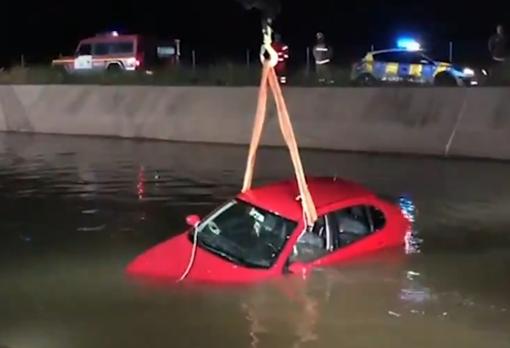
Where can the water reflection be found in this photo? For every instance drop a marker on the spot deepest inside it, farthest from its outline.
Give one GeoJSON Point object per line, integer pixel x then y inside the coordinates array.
{"type": "Point", "coordinates": [73, 216]}
{"type": "Point", "coordinates": [384, 290]}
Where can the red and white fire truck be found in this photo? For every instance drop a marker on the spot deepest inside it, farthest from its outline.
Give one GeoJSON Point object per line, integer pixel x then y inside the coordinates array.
{"type": "Point", "coordinates": [114, 52]}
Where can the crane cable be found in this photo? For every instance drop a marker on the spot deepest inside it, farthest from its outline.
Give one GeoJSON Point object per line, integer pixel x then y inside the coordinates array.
{"type": "Point", "coordinates": [269, 78]}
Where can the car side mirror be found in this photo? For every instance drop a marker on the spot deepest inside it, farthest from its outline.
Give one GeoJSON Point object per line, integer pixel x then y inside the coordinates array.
{"type": "Point", "coordinates": [193, 220]}
{"type": "Point", "coordinates": [299, 268]}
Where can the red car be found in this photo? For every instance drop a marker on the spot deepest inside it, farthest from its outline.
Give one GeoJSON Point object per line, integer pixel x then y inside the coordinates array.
{"type": "Point", "coordinates": [260, 234]}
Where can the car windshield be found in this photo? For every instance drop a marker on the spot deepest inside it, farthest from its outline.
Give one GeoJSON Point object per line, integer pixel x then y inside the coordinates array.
{"type": "Point", "coordinates": [245, 234]}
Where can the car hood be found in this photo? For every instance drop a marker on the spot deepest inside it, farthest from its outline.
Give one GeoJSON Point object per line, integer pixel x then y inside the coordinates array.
{"type": "Point", "coordinates": [169, 260]}
{"type": "Point", "coordinates": [444, 64]}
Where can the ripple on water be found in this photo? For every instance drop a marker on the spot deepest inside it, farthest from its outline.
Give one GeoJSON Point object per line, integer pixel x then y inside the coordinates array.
{"type": "Point", "coordinates": [75, 215]}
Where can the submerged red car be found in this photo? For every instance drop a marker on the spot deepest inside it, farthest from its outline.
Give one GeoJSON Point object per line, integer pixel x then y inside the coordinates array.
{"type": "Point", "coordinates": [260, 234]}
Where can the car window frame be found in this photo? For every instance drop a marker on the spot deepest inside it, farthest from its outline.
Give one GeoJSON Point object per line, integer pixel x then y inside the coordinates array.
{"type": "Point", "coordinates": [95, 46]}
{"type": "Point", "coordinates": [419, 58]}
{"type": "Point", "coordinates": [367, 201]}
{"type": "Point", "coordinates": [376, 57]}
{"type": "Point", "coordinates": [78, 49]}
{"type": "Point", "coordinates": [284, 250]}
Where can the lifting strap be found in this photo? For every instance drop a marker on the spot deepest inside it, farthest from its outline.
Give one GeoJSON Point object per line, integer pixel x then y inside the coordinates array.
{"type": "Point", "coordinates": [269, 78]}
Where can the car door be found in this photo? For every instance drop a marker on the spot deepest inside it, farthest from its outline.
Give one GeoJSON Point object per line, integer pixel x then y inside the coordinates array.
{"type": "Point", "coordinates": [83, 58]}
{"type": "Point", "coordinates": [343, 232]}
{"type": "Point", "coordinates": [386, 66]}
{"type": "Point", "coordinates": [101, 52]}
{"type": "Point", "coordinates": [415, 67]}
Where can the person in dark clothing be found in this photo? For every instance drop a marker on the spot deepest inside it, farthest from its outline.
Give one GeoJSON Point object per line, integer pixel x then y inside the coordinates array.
{"type": "Point", "coordinates": [497, 45]}
{"type": "Point", "coordinates": [498, 51]}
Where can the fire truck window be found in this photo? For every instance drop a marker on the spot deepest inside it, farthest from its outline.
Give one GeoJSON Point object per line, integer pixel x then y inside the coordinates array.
{"type": "Point", "coordinates": [101, 49]}
{"type": "Point", "coordinates": [121, 48]}
{"type": "Point", "coordinates": [85, 50]}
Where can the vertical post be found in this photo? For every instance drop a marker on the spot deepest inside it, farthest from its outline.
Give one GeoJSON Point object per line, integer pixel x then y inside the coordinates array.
{"type": "Point", "coordinates": [451, 52]}
{"type": "Point", "coordinates": [248, 58]}
{"type": "Point", "coordinates": [193, 60]}
{"type": "Point", "coordinates": [372, 48]}
{"type": "Point", "coordinates": [22, 60]}
{"type": "Point", "coordinates": [178, 50]}
{"type": "Point", "coordinates": [307, 61]}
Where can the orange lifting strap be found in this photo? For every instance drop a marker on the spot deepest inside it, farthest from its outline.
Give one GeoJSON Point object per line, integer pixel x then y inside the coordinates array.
{"type": "Point", "coordinates": [269, 77]}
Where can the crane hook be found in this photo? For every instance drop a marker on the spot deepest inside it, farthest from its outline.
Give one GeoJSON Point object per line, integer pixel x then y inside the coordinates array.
{"type": "Point", "coordinates": [267, 46]}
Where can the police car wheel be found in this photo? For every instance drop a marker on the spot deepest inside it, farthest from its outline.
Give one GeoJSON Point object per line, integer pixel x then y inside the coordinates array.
{"type": "Point", "coordinates": [445, 79]}
{"type": "Point", "coordinates": [365, 80]}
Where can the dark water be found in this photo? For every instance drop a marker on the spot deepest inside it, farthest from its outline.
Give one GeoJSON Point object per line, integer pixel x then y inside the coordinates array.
{"type": "Point", "coordinates": [75, 211]}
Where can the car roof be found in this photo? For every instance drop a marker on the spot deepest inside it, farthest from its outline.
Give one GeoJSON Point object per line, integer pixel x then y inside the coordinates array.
{"type": "Point", "coordinates": [390, 50]}
{"type": "Point", "coordinates": [282, 197]}
{"type": "Point", "coordinates": [109, 38]}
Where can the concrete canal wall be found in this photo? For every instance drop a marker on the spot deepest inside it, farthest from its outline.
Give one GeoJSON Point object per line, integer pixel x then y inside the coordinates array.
{"type": "Point", "coordinates": [472, 122]}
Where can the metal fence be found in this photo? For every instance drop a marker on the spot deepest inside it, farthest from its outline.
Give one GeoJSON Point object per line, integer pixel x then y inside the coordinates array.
{"type": "Point", "coordinates": [462, 52]}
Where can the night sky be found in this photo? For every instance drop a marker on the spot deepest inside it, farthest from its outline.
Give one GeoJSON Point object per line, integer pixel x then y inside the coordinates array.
{"type": "Point", "coordinates": [41, 30]}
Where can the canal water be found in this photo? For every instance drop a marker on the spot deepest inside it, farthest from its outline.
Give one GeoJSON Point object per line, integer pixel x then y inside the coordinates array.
{"type": "Point", "coordinates": [76, 210]}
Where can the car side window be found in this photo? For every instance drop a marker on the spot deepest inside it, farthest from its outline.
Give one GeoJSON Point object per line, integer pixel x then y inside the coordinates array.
{"type": "Point", "coordinates": [312, 244]}
{"type": "Point", "coordinates": [121, 48]}
{"type": "Point", "coordinates": [414, 58]}
{"type": "Point", "coordinates": [336, 230]}
{"type": "Point", "coordinates": [352, 224]}
{"type": "Point", "coordinates": [388, 57]}
{"type": "Point", "coordinates": [84, 50]}
{"type": "Point", "coordinates": [101, 49]}
{"type": "Point", "coordinates": [378, 218]}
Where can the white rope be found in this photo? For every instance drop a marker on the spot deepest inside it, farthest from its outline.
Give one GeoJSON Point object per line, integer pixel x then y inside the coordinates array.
{"type": "Point", "coordinates": [456, 126]}
{"type": "Point", "coordinates": [193, 255]}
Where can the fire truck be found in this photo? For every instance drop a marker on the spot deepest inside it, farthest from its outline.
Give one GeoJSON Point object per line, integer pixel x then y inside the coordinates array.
{"type": "Point", "coordinates": [114, 52]}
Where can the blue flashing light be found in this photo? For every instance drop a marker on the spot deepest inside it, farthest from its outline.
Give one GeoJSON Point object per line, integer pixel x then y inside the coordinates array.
{"type": "Point", "coordinates": [408, 44]}
{"type": "Point", "coordinates": [407, 207]}
{"type": "Point", "coordinates": [412, 241]}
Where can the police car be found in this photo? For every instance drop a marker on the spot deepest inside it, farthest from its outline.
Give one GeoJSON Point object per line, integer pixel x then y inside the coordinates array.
{"type": "Point", "coordinates": [409, 64]}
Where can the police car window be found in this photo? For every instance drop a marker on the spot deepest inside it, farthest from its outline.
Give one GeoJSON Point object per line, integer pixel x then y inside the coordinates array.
{"type": "Point", "coordinates": [413, 58]}
{"type": "Point", "coordinates": [388, 57]}
{"type": "Point", "coordinates": [101, 49]}
{"type": "Point", "coordinates": [121, 47]}
{"type": "Point", "coordinates": [85, 50]}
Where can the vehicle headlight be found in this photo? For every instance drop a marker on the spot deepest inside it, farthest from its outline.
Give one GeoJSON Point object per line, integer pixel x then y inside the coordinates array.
{"type": "Point", "coordinates": [468, 72]}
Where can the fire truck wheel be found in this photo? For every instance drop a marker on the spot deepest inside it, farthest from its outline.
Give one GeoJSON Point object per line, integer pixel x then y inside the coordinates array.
{"type": "Point", "coordinates": [114, 67]}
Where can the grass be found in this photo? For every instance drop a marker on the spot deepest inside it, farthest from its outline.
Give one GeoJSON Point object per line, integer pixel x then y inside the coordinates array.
{"type": "Point", "coordinates": [214, 75]}
{"type": "Point", "coordinates": [226, 74]}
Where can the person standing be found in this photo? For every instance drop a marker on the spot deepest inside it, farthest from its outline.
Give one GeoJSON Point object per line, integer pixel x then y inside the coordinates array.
{"type": "Point", "coordinates": [497, 45]}
{"type": "Point", "coordinates": [498, 51]}
{"type": "Point", "coordinates": [322, 54]}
